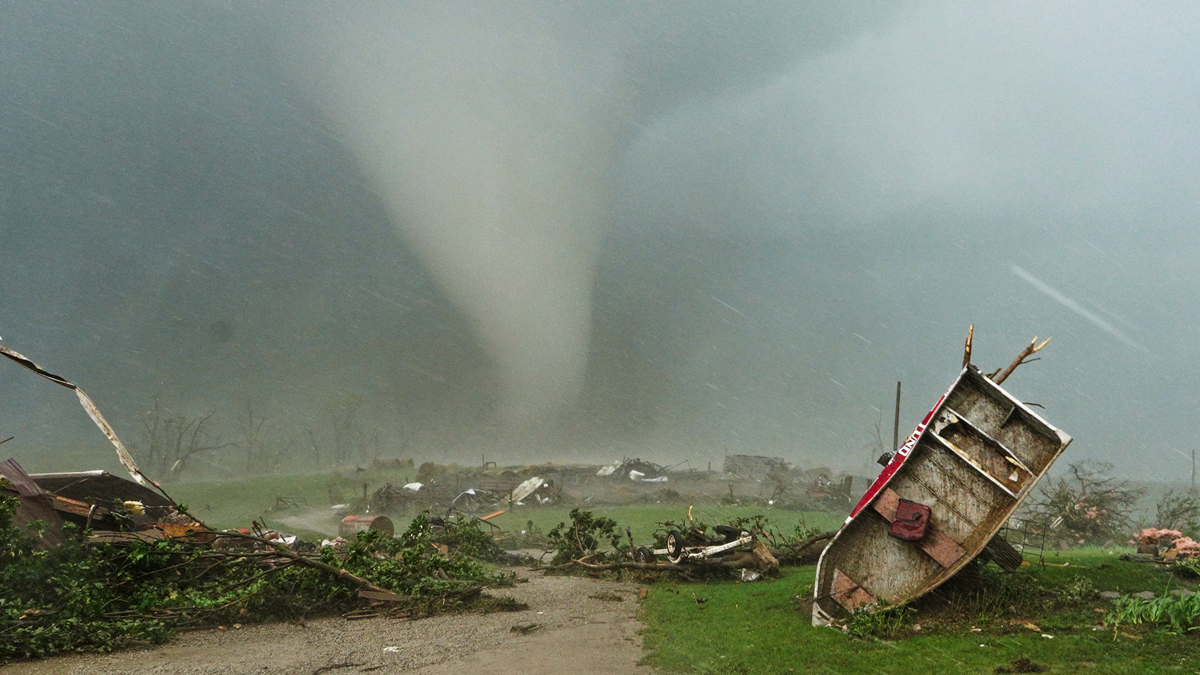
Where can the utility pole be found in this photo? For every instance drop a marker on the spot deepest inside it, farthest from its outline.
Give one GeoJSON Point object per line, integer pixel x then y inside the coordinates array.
{"type": "Point", "coordinates": [1193, 469]}
{"type": "Point", "coordinates": [896, 432]}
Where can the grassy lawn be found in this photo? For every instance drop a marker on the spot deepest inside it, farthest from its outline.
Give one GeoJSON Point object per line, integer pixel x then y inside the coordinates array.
{"type": "Point", "coordinates": [225, 504]}
{"type": "Point", "coordinates": [765, 628]}
{"type": "Point", "coordinates": [643, 520]}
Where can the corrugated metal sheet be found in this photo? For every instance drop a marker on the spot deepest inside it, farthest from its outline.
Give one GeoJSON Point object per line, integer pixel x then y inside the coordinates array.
{"type": "Point", "coordinates": [35, 504]}
{"type": "Point", "coordinates": [93, 412]}
{"type": "Point", "coordinates": [97, 486]}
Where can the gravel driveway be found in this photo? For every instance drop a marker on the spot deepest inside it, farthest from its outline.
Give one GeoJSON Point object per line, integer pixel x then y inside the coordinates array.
{"type": "Point", "coordinates": [577, 634]}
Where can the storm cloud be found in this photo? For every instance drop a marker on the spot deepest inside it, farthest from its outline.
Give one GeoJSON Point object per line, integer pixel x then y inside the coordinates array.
{"type": "Point", "coordinates": [564, 230]}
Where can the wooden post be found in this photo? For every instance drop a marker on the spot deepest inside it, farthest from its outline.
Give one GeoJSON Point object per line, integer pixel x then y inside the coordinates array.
{"type": "Point", "coordinates": [896, 423]}
{"type": "Point", "coordinates": [1193, 469]}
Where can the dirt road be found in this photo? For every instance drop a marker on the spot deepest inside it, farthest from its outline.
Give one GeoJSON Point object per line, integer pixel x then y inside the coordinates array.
{"type": "Point", "coordinates": [576, 634]}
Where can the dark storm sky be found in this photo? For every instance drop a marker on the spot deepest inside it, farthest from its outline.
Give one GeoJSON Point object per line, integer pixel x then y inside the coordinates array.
{"type": "Point", "coordinates": [579, 231]}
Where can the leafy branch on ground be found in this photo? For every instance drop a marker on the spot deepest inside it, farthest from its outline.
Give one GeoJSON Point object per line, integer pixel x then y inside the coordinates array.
{"type": "Point", "coordinates": [79, 596]}
{"type": "Point", "coordinates": [584, 537]}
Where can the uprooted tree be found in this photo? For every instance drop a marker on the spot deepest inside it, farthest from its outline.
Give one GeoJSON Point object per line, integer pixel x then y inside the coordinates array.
{"type": "Point", "coordinates": [1087, 506]}
{"type": "Point", "coordinates": [1178, 511]}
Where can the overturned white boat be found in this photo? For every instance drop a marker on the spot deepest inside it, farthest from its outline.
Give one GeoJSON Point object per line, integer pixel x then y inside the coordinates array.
{"type": "Point", "coordinates": [939, 501]}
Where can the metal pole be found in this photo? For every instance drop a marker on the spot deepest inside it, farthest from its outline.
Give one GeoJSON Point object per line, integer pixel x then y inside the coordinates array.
{"type": "Point", "coordinates": [896, 424]}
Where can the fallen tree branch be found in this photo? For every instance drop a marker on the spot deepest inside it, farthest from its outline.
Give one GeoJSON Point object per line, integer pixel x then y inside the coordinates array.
{"type": "Point", "coordinates": [795, 549]}
{"type": "Point", "coordinates": [1032, 349]}
{"type": "Point", "coordinates": [256, 577]}
{"type": "Point", "coordinates": [376, 592]}
{"type": "Point", "coordinates": [682, 567]}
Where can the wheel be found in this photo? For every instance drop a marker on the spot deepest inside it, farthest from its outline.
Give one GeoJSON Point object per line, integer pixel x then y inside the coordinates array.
{"type": "Point", "coordinates": [642, 554]}
{"type": "Point", "coordinates": [674, 546]}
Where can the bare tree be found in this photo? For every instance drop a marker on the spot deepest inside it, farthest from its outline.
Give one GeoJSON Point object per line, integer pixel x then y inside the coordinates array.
{"type": "Point", "coordinates": [316, 449]}
{"type": "Point", "coordinates": [348, 440]}
{"type": "Point", "coordinates": [170, 440]}
{"type": "Point", "coordinates": [407, 432]}
{"type": "Point", "coordinates": [250, 425]}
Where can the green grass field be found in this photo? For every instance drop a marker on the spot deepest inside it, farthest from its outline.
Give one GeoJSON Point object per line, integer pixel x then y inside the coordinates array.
{"type": "Point", "coordinates": [226, 504]}
{"type": "Point", "coordinates": [765, 628]}
{"type": "Point", "coordinates": [232, 504]}
{"type": "Point", "coordinates": [643, 520]}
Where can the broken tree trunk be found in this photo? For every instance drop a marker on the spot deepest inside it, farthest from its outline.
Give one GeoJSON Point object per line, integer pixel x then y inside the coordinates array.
{"type": "Point", "coordinates": [796, 551]}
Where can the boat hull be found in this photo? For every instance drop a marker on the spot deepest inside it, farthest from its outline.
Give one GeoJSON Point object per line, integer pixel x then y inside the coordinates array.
{"type": "Point", "coordinates": [972, 460]}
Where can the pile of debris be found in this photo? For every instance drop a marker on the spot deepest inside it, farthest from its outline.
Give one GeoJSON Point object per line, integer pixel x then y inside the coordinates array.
{"type": "Point", "coordinates": [636, 470]}
{"type": "Point", "coordinates": [103, 594]}
{"type": "Point", "coordinates": [486, 494]}
{"type": "Point", "coordinates": [755, 467]}
{"type": "Point", "coordinates": [816, 489]}
{"type": "Point", "coordinates": [147, 566]}
{"type": "Point", "coordinates": [688, 550]}
{"type": "Point", "coordinates": [113, 508]}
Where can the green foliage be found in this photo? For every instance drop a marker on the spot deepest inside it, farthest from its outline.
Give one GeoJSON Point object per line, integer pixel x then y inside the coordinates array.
{"type": "Point", "coordinates": [78, 597]}
{"type": "Point", "coordinates": [882, 623]}
{"type": "Point", "coordinates": [1077, 591]}
{"type": "Point", "coordinates": [463, 536]}
{"type": "Point", "coordinates": [583, 537]}
{"type": "Point", "coordinates": [1177, 614]}
{"type": "Point", "coordinates": [1188, 568]}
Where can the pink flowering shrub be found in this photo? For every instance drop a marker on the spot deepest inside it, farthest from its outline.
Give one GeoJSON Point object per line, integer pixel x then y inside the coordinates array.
{"type": "Point", "coordinates": [1153, 536]}
{"type": "Point", "coordinates": [1187, 547]}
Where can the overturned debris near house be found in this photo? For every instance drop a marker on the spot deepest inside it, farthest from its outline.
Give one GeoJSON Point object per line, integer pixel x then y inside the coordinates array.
{"type": "Point", "coordinates": [352, 525]}
{"type": "Point", "coordinates": [115, 508]}
{"type": "Point", "coordinates": [97, 499]}
{"type": "Point", "coordinates": [636, 470]}
{"type": "Point", "coordinates": [755, 466]}
{"type": "Point", "coordinates": [940, 500]}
